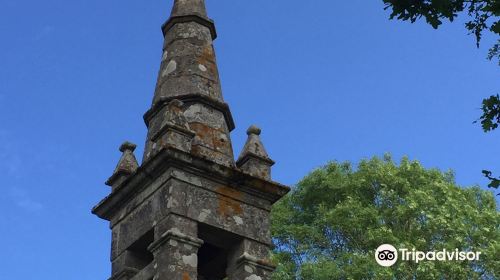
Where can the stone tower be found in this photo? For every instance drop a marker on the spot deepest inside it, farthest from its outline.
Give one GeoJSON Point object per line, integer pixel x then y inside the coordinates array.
{"type": "Point", "coordinates": [189, 211]}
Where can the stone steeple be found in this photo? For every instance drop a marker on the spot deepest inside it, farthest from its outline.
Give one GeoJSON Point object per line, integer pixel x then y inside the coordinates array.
{"type": "Point", "coordinates": [189, 211]}
{"type": "Point", "coordinates": [188, 72]}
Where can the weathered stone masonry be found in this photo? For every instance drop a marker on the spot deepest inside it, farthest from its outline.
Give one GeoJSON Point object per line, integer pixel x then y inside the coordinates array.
{"type": "Point", "coordinates": [189, 211]}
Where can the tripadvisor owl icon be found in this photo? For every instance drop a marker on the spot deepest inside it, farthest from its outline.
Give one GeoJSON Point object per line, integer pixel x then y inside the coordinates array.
{"type": "Point", "coordinates": [386, 255]}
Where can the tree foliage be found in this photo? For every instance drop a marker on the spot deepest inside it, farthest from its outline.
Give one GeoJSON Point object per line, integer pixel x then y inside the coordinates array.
{"type": "Point", "coordinates": [332, 222]}
{"type": "Point", "coordinates": [491, 113]}
{"type": "Point", "coordinates": [483, 17]}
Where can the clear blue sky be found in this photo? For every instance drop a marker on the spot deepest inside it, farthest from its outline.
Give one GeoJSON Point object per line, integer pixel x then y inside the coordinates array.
{"type": "Point", "coordinates": [324, 79]}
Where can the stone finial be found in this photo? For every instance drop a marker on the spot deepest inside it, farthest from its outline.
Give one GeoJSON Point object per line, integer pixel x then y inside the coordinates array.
{"type": "Point", "coordinates": [189, 7]}
{"type": "Point", "coordinates": [127, 165]}
{"type": "Point", "coordinates": [254, 130]}
{"type": "Point", "coordinates": [174, 131]}
{"type": "Point", "coordinates": [127, 146]}
{"type": "Point", "coordinates": [254, 158]}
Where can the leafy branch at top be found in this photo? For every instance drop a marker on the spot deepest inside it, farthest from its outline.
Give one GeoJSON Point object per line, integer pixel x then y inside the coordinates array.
{"type": "Point", "coordinates": [483, 13]}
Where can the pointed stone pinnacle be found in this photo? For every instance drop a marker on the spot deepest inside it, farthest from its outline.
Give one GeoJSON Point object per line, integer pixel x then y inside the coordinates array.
{"type": "Point", "coordinates": [254, 158]}
{"type": "Point", "coordinates": [254, 144]}
{"type": "Point", "coordinates": [128, 162]}
{"type": "Point", "coordinates": [126, 166]}
{"type": "Point", "coordinates": [189, 73]}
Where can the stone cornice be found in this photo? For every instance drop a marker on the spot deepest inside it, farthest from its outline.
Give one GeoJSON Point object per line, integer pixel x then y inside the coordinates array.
{"type": "Point", "coordinates": [175, 234]}
{"type": "Point", "coordinates": [189, 99]}
{"type": "Point", "coordinates": [171, 157]}
{"type": "Point", "coordinates": [172, 127]}
{"type": "Point", "coordinates": [114, 178]}
{"type": "Point", "coordinates": [190, 18]}
{"type": "Point", "coordinates": [249, 156]}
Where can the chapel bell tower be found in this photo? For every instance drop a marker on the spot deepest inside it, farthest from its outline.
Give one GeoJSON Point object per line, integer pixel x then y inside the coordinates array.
{"type": "Point", "coordinates": [189, 210]}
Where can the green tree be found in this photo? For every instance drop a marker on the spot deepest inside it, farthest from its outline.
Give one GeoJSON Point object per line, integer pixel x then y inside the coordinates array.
{"type": "Point", "coordinates": [483, 17]}
{"type": "Point", "coordinates": [329, 226]}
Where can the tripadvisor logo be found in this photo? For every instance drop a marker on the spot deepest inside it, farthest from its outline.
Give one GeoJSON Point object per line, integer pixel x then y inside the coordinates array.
{"type": "Point", "coordinates": [387, 255]}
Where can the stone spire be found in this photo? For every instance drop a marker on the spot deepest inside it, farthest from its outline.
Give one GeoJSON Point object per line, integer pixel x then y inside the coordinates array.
{"type": "Point", "coordinates": [188, 72]}
{"type": "Point", "coordinates": [189, 211]}
{"type": "Point", "coordinates": [254, 158]}
{"type": "Point", "coordinates": [127, 165]}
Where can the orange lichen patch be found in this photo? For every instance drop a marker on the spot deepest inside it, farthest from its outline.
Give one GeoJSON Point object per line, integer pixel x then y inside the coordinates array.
{"type": "Point", "coordinates": [212, 155]}
{"type": "Point", "coordinates": [207, 58]}
{"type": "Point", "coordinates": [228, 205]}
{"type": "Point", "coordinates": [204, 133]}
{"type": "Point", "coordinates": [214, 138]}
{"type": "Point", "coordinates": [185, 276]}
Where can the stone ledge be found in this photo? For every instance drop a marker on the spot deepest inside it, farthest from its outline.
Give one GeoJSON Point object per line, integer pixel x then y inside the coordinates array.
{"type": "Point", "coordinates": [168, 156]}
{"type": "Point", "coordinates": [249, 259]}
{"type": "Point", "coordinates": [171, 127]}
{"type": "Point", "coordinates": [188, 99]}
{"type": "Point", "coordinates": [249, 156]}
{"type": "Point", "coordinates": [190, 18]}
{"type": "Point", "coordinates": [175, 234]}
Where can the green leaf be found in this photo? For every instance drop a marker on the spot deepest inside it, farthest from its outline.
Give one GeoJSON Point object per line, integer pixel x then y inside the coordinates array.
{"type": "Point", "coordinates": [496, 27]}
